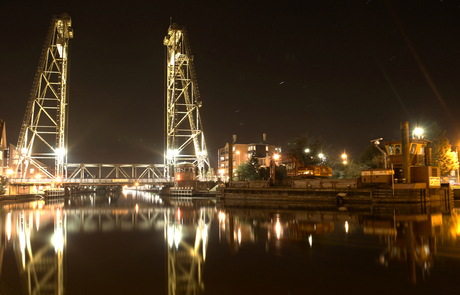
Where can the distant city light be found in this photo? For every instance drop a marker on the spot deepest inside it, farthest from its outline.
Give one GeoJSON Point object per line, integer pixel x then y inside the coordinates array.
{"type": "Point", "coordinates": [307, 150]}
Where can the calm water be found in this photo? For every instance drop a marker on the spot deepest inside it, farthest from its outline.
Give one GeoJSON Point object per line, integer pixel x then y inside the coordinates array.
{"type": "Point", "coordinates": [139, 243]}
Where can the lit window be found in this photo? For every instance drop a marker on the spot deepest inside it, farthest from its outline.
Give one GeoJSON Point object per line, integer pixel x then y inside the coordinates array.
{"type": "Point", "coordinates": [391, 149]}
{"type": "Point", "coordinates": [422, 150]}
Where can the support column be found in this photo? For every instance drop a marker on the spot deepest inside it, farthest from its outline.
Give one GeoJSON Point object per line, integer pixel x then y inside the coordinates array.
{"type": "Point", "coordinates": [230, 162]}
{"type": "Point", "coordinates": [405, 151]}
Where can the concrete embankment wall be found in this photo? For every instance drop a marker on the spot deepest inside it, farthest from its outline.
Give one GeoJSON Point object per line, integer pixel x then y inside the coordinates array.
{"type": "Point", "coordinates": [335, 191]}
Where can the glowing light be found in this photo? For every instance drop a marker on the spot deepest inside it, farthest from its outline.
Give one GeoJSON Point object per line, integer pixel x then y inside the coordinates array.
{"type": "Point", "coordinates": [239, 236]}
{"type": "Point", "coordinates": [10, 172]}
{"type": "Point", "coordinates": [60, 152]}
{"type": "Point", "coordinates": [178, 214]}
{"type": "Point", "coordinates": [237, 152]}
{"type": "Point", "coordinates": [321, 155]}
{"type": "Point", "coordinates": [137, 208]}
{"type": "Point", "coordinates": [307, 150]}
{"type": "Point", "coordinates": [170, 154]}
{"type": "Point", "coordinates": [310, 240]}
{"type": "Point", "coordinates": [58, 240]}
{"type": "Point", "coordinates": [8, 226]}
{"type": "Point", "coordinates": [37, 220]}
{"type": "Point", "coordinates": [38, 176]}
{"type": "Point", "coordinates": [276, 157]}
{"type": "Point", "coordinates": [278, 229]}
{"type": "Point", "coordinates": [177, 237]}
{"type": "Point", "coordinates": [221, 217]}
{"type": "Point", "coordinates": [418, 132]}
{"type": "Point", "coordinates": [346, 227]}
{"type": "Point", "coordinates": [22, 242]}
{"type": "Point", "coordinates": [204, 235]}
{"type": "Point", "coordinates": [170, 236]}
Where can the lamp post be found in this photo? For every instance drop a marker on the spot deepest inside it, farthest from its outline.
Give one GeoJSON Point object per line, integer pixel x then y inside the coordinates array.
{"type": "Point", "coordinates": [273, 167]}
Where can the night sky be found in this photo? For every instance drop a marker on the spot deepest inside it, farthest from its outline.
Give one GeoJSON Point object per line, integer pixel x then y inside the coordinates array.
{"type": "Point", "coordinates": [349, 71]}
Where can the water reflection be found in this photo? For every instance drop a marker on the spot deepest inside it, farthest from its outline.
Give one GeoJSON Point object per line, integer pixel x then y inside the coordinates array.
{"type": "Point", "coordinates": [42, 242]}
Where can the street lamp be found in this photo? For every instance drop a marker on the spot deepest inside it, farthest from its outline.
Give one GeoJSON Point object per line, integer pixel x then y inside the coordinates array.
{"type": "Point", "coordinates": [322, 157]}
{"type": "Point", "coordinates": [344, 157]}
{"type": "Point", "coordinates": [307, 151]}
{"type": "Point", "coordinates": [418, 133]}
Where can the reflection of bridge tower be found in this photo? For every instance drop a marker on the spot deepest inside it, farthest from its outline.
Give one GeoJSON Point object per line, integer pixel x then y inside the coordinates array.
{"type": "Point", "coordinates": [39, 261]}
{"type": "Point", "coordinates": [182, 103]}
{"type": "Point", "coordinates": [43, 131]}
{"type": "Point", "coordinates": [186, 256]}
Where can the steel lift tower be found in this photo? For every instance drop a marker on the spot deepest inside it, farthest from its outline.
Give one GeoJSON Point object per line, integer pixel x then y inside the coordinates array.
{"type": "Point", "coordinates": [43, 131]}
{"type": "Point", "coordinates": [184, 131]}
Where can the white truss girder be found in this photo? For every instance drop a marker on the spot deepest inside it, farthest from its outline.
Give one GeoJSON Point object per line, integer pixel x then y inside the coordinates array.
{"type": "Point", "coordinates": [43, 131]}
{"type": "Point", "coordinates": [184, 134]}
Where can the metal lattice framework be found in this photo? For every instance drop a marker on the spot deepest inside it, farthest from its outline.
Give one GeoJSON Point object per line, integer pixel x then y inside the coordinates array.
{"type": "Point", "coordinates": [43, 132]}
{"type": "Point", "coordinates": [187, 244]}
{"type": "Point", "coordinates": [184, 131]}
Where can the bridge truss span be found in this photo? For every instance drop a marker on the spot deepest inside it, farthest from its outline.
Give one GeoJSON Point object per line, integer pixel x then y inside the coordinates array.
{"type": "Point", "coordinates": [115, 173]}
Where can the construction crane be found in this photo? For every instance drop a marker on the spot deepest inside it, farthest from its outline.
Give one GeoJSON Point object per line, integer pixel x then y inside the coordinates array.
{"type": "Point", "coordinates": [184, 134]}
{"type": "Point", "coordinates": [42, 137]}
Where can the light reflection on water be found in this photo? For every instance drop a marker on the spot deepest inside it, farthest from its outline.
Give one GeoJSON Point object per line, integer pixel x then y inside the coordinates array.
{"type": "Point", "coordinates": [139, 243]}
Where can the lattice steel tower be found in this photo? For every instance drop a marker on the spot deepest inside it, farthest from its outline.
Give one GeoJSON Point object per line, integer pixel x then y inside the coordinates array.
{"type": "Point", "coordinates": [43, 132]}
{"type": "Point", "coordinates": [184, 131]}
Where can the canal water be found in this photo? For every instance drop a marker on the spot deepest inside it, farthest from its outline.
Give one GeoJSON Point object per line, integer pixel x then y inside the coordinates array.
{"type": "Point", "coordinates": [140, 243]}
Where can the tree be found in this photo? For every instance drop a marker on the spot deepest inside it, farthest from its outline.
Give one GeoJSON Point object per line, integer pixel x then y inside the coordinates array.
{"type": "Point", "coordinates": [314, 147]}
{"type": "Point", "coordinates": [441, 153]}
{"type": "Point", "coordinates": [249, 170]}
{"type": "Point", "coordinates": [349, 170]}
{"type": "Point", "coordinates": [372, 157]}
